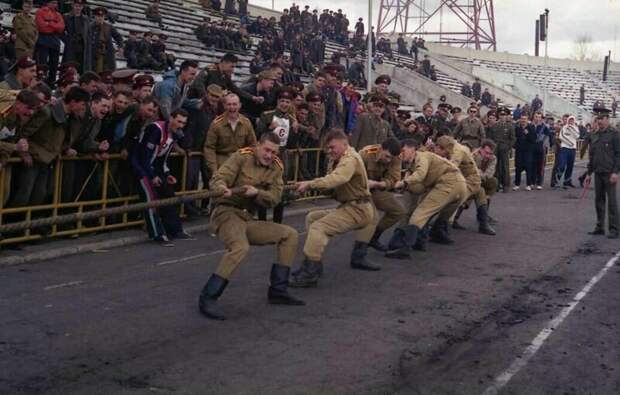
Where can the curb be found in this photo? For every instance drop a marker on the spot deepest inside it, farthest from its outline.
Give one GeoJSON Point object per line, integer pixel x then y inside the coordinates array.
{"type": "Point", "coordinates": [119, 242]}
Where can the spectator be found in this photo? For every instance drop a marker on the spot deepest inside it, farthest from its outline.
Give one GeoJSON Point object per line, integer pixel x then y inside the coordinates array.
{"type": "Point", "coordinates": [102, 49]}
{"type": "Point", "coordinates": [359, 27]}
{"type": "Point", "coordinates": [544, 139]}
{"type": "Point", "coordinates": [51, 26]}
{"type": "Point", "coordinates": [154, 181]}
{"type": "Point", "coordinates": [158, 52]}
{"type": "Point", "coordinates": [153, 14]}
{"type": "Point", "coordinates": [582, 94]}
{"type": "Point", "coordinates": [476, 89]}
{"type": "Point", "coordinates": [470, 130]}
{"type": "Point", "coordinates": [220, 74]}
{"type": "Point", "coordinates": [536, 104]}
{"type": "Point", "coordinates": [262, 88]}
{"type": "Point", "coordinates": [568, 140]}
{"type": "Point", "coordinates": [130, 50]}
{"type": "Point", "coordinates": [516, 113]}
{"type": "Point", "coordinates": [26, 31]}
{"type": "Point", "coordinates": [426, 67]}
{"type": "Point", "coordinates": [524, 143]}
{"type": "Point", "coordinates": [77, 37]}
{"type": "Point", "coordinates": [172, 91]}
{"type": "Point", "coordinates": [486, 98]}
{"type": "Point", "coordinates": [229, 7]}
{"type": "Point", "coordinates": [21, 75]}
{"type": "Point", "coordinates": [144, 53]}
{"type": "Point", "coordinates": [351, 102]}
{"type": "Point", "coordinates": [455, 119]}
{"type": "Point", "coordinates": [466, 90]}
{"type": "Point", "coordinates": [614, 107]}
{"type": "Point", "coordinates": [402, 45]}
{"type": "Point", "coordinates": [371, 128]}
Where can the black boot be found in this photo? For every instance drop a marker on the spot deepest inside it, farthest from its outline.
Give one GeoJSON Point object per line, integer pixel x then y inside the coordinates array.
{"type": "Point", "coordinates": [439, 232]}
{"type": "Point", "coordinates": [308, 275]}
{"type": "Point", "coordinates": [278, 293]}
{"type": "Point", "coordinates": [376, 244]}
{"type": "Point", "coordinates": [483, 222]}
{"type": "Point", "coordinates": [208, 297]}
{"type": "Point", "coordinates": [358, 257]}
{"type": "Point", "coordinates": [402, 241]}
{"type": "Point", "coordinates": [422, 239]}
{"type": "Point", "coordinates": [455, 224]}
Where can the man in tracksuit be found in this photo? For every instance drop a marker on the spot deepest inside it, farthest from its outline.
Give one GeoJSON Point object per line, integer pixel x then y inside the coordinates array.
{"type": "Point", "coordinates": [149, 162]}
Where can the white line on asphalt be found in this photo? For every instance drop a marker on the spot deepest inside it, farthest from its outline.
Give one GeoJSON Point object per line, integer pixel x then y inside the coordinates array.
{"type": "Point", "coordinates": [192, 257]}
{"type": "Point", "coordinates": [521, 361]}
{"type": "Point", "coordinates": [64, 285]}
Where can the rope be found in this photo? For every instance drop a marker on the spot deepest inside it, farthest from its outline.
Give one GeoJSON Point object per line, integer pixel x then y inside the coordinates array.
{"type": "Point", "coordinates": [106, 212]}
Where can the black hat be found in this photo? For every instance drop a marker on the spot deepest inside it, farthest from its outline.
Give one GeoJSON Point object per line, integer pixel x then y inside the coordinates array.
{"type": "Point", "coordinates": [313, 97]}
{"type": "Point", "coordinates": [100, 11]}
{"type": "Point", "coordinates": [445, 106]}
{"type": "Point", "coordinates": [124, 76]}
{"type": "Point", "coordinates": [601, 111]}
{"type": "Point", "coordinates": [378, 99]}
{"type": "Point", "coordinates": [23, 63]}
{"type": "Point", "coordinates": [383, 79]}
{"type": "Point", "coordinates": [456, 110]}
{"type": "Point", "coordinates": [143, 80]}
{"type": "Point", "coordinates": [503, 111]}
{"type": "Point", "coordinates": [404, 114]}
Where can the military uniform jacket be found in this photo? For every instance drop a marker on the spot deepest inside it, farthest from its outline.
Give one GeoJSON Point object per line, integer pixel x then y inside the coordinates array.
{"type": "Point", "coordinates": [243, 168]}
{"type": "Point", "coordinates": [461, 156]}
{"type": "Point", "coordinates": [379, 171]}
{"type": "Point", "coordinates": [347, 177]}
{"type": "Point", "coordinates": [486, 167]}
{"type": "Point", "coordinates": [45, 136]}
{"type": "Point", "coordinates": [26, 33]}
{"type": "Point", "coordinates": [426, 170]}
{"type": "Point", "coordinates": [370, 129]}
{"type": "Point", "coordinates": [604, 151]}
{"type": "Point", "coordinates": [503, 134]}
{"type": "Point", "coordinates": [470, 130]}
{"type": "Point", "coordinates": [222, 141]}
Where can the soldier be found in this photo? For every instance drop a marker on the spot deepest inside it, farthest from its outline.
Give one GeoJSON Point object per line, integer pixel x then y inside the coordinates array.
{"type": "Point", "coordinates": [77, 37]}
{"type": "Point", "coordinates": [20, 75]}
{"type": "Point", "coordinates": [259, 171]}
{"type": "Point", "coordinates": [26, 32]}
{"type": "Point", "coordinates": [461, 156]}
{"type": "Point", "coordinates": [347, 177]}
{"type": "Point", "coordinates": [228, 133]}
{"type": "Point", "coordinates": [130, 49]}
{"type": "Point", "coordinates": [281, 122]}
{"type": "Point", "coordinates": [443, 188]}
{"type": "Point", "coordinates": [439, 122]}
{"type": "Point", "coordinates": [470, 130]}
{"type": "Point", "coordinates": [370, 128]}
{"type": "Point", "coordinates": [486, 163]}
{"type": "Point", "coordinates": [503, 135]}
{"type": "Point", "coordinates": [123, 79]}
{"type": "Point", "coordinates": [383, 167]}
{"type": "Point", "coordinates": [605, 164]}
{"type": "Point", "coordinates": [142, 87]}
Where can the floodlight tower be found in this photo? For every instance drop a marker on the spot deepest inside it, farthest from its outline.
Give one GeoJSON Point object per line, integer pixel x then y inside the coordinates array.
{"type": "Point", "coordinates": [464, 23]}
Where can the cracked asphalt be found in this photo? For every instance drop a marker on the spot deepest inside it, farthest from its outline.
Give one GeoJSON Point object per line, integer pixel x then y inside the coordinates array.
{"type": "Point", "coordinates": [125, 321]}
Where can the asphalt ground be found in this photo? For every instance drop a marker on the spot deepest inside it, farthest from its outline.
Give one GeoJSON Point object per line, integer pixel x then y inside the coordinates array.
{"type": "Point", "coordinates": [451, 321]}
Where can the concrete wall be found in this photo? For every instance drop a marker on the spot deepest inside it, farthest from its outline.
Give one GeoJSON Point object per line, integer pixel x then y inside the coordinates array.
{"type": "Point", "coordinates": [416, 89]}
{"type": "Point", "coordinates": [514, 58]}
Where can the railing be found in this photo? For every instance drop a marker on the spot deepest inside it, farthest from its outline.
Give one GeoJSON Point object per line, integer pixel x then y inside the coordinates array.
{"type": "Point", "coordinates": [104, 185]}
{"type": "Point", "coordinates": [98, 185]}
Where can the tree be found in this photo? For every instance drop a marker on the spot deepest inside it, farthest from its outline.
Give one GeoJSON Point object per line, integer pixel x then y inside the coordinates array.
{"type": "Point", "coordinates": [583, 48]}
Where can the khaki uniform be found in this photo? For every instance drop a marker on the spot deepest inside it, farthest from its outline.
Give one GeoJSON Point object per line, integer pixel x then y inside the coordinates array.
{"type": "Point", "coordinates": [441, 183]}
{"type": "Point", "coordinates": [233, 217]}
{"type": "Point", "coordinates": [383, 199]}
{"type": "Point", "coordinates": [370, 129]}
{"type": "Point", "coordinates": [349, 181]}
{"type": "Point", "coordinates": [26, 34]}
{"type": "Point", "coordinates": [487, 175]}
{"type": "Point", "coordinates": [470, 131]}
{"type": "Point", "coordinates": [222, 141]}
{"type": "Point", "coordinates": [462, 157]}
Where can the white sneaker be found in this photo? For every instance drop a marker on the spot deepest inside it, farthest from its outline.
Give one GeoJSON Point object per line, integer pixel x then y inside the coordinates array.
{"type": "Point", "coordinates": [539, 187]}
{"type": "Point", "coordinates": [515, 188]}
{"type": "Point", "coordinates": [528, 188]}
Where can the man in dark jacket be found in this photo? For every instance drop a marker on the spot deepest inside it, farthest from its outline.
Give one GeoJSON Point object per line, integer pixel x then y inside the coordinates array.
{"type": "Point", "coordinates": [77, 37]}
{"type": "Point", "coordinates": [103, 53]}
{"type": "Point", "coordinates": [262, 88]}
{"type": "Point", "coordinates": [605, 164]}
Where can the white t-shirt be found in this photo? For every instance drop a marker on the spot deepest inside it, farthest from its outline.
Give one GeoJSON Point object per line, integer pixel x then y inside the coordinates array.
{"type": "Point", "coordinates": [282, 129]}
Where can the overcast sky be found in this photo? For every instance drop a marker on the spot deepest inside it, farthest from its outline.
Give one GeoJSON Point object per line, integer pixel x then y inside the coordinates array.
{"type": "Point", "coordinates": [515, 22]}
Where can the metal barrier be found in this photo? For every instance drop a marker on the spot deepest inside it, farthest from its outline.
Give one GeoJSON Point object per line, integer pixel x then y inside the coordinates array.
{"type": "Point", "coordinates": [99, 187]}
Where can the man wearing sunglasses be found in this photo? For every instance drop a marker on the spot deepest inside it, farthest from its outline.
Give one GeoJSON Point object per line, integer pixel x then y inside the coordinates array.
{"type": "Point", "coordinates": [470, 130]}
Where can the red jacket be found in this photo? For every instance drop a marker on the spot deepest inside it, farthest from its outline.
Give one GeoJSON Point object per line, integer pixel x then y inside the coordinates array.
{"type": "Point", "coordinates": [49, 21]}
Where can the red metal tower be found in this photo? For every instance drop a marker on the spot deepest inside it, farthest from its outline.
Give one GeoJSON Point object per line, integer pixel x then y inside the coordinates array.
{"type": "Point", "coordinates": [466, 23]}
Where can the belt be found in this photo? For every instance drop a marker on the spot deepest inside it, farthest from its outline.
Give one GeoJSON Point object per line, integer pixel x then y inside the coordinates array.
{"type": "Point", "coordinates": [359, 201]}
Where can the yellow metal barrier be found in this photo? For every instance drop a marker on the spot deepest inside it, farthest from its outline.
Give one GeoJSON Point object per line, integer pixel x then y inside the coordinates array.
{"type": "Point", "coordinates": [102, 179]}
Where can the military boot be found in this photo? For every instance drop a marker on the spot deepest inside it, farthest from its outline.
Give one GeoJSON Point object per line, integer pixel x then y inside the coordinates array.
{"type": "Point", "coordinates": [439, 232]}
{"type": "Point", "coordinates": [375, 243]}
{"type": "Point", "coordinates": [401, 242]}
{"type": "Point", "coordinates": [308, 275]}
{"type": "Point", "coordinates": [209, 295]}
{"type": "Point", "coordinates": [483, 222]}
{"type": "Point", "coordinates": [278, 293]}
{"type": "Point", "coordinates": [358, 257]}
{"type": "Point", "coordinates": [455, 224]}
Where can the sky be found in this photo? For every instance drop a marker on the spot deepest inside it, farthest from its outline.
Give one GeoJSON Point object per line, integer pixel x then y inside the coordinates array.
{"type": "Point", "coordinates": [514, 19]}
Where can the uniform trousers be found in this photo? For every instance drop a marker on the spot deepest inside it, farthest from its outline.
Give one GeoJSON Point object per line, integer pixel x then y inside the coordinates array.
{"type": "Point", "coordinates": [446, 196]}
{"type": "Point", "coordinates": [324, 224]}
{"type": "Point", "coordinates": [605, 190]}
{"type": "Point", "coordinates": [238, 230]}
